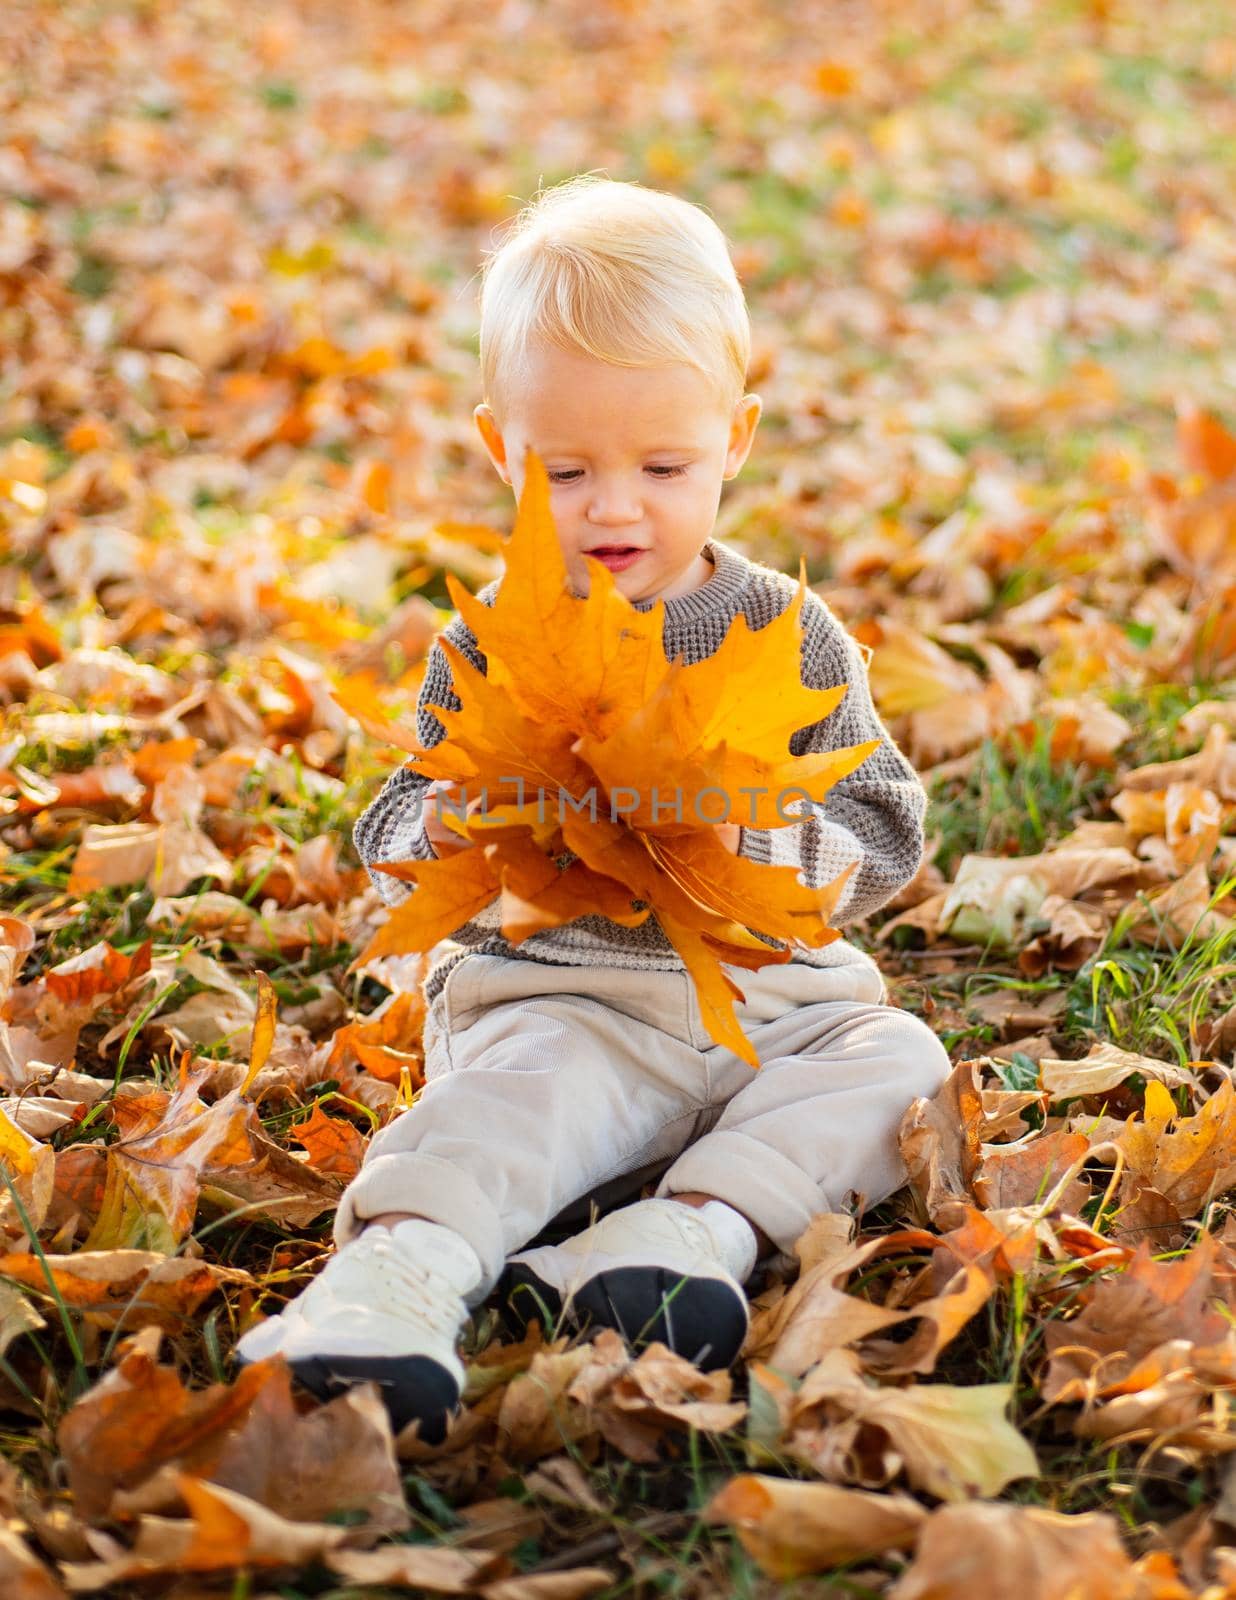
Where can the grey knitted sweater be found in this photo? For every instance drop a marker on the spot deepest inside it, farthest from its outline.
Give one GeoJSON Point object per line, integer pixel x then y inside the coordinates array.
{"type": "Point", "coordinates": [874, 817]}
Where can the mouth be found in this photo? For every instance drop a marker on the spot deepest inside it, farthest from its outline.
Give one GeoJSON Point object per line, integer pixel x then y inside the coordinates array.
{"type": "Point", "coordinates": [617, 557]}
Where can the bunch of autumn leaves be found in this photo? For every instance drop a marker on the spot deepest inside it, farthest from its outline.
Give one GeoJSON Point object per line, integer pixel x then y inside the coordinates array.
{"type": "Point", "coordinates": [579, 697]}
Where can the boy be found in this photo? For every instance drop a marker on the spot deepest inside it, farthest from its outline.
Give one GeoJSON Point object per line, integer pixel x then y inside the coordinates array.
{"type": "Point", "coordinates": [572, 1067]}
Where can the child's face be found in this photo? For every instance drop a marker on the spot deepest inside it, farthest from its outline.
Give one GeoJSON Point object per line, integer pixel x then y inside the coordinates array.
{"type": "Point", "coordinates": [636, 457]}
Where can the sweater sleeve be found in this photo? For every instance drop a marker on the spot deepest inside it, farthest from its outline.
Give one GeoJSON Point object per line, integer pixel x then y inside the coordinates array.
{"type": "Point", "coordinates": [392, 826]}
{"type": "Point", "coordinates": [874, 817]}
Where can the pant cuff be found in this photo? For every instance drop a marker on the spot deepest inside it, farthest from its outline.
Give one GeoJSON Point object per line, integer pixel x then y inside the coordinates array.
{"type": "Point", "coordinates": [430, 1187]}
{"type": "Point", "coordinates": [769, 1190]}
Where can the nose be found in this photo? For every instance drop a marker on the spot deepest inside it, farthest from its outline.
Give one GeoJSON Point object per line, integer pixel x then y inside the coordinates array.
{"type": "Point", "coordinates": [613, 507]}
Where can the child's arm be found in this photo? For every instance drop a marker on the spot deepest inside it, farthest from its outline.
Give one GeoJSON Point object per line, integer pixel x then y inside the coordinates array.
{"type": "Point", "coordinates": [392, 827]}
{"type": "Point", "coordinates": [875, 816]}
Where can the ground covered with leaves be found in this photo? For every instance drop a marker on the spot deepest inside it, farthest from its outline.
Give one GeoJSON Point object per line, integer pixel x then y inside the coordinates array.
{"type": "Point", "coordinates": [989, 255]}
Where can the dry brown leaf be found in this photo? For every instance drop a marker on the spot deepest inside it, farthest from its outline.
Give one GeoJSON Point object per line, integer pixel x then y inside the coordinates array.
{"type": "Point", "coordinates": [795, 1528]}
{"type": "Point", "coordinates": [1073, 933]}
{"type": "Point", "coordinates": [1180, 912]}
{"type": "Point", "coordinates": [909, 672]}
{"type": "Point", "coordinates": [166, 856]}
{"type": "Point", "coordinates": [955, 1443]}
{"type": "Point", "coordinates": [1178, 1161]}
{"type": "Point", "coordinates": [113, 1436]}
{"type": "Point", "coordinates": [500, 1523]}
{"type": "Point", "coordinates": [940, 1317]}
{"type": "Point", "coordinates": [997, 899]}
{"type": "Point", "coordinates": [1018, 1553]}
{"type": "Point", "coordinates": [1085, 729]}
{"type": "Point", "coordinates": [1126, 1317]}
{"type": "Point", "coordinates": [1105, 1066]}
{"type": "Point", "coordinates": [939, 1140]}
{"type": "Point", "coordinates": [1205, 769]}
{"type": "Point", "coordinates": [81, 1179]}
{"type": "Point", "coordinates": [213, 915]}
{"type": "Point", "coordinates": [574, 1584]}
{"type": "Point", "coordinates": [1007, 1242]}
{"type": "Point", "coordinates": [333, 1145]}
{"type": "Point", "coordinates": [94, 977]}
{"type": "Point", "coordinates": [1173, 1400]}
{"type": "Point", "coordinates": [536, 1417]}
{"type": "Point", "coordinates": [635, 1402]}
{"type": "Point", "coordinates": [563, 1482]}
{"type": "Point", "coordinates": [1003, 1108]}
{"type": "Point", "coordinates": [22, 1575]}
{"type": "Point", "coordinates": [1172, 1407]}
{"type": "Point", "coordinates": [439, 1571]}
{"type": "Point", "coordinates": [16, 942]}
{"type": "Point", "coordinates": [336, 1460]}
{"type": "Point", "coordinates": [155, 1170]}
{"type": "Point", "coordinates": [17, 1315]}
{"type": "Point", "coordinates": [924, 918]}
{"type": "Point", "coordinates": [386, 1042]}
{"type": "Point", "coordinates": [816, 1316]}
{"type": "Point", "coordinates": [224, 1531]}
{"type": "Point", "coordinates": [1013, 1013]}
{"type": "Point", "coordinates": [1030, 1170]}
{"type": "Point", "coordinates": [274, 1184]}
{"type": "Point", "coordinates": [263, 1030]}
{"type": "Point", "coordinates": [127, 1442]}
{"type": "Point", "coordinates": [128, 1288]}
{"type": "Point", "coordinates": [30, 1168]}
{"type": "Point", "coordinates": [1199, 719]}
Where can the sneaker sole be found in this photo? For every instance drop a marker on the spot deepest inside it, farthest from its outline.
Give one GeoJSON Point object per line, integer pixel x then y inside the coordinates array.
{"type": "Point", "coordinates": [702, 1319]}
{"type": "Point", "coordinates": [411, 1387]}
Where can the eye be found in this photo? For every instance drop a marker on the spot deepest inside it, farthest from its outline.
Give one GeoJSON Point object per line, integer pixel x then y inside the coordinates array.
{"type": "Point", "coordinates": [569, 475]}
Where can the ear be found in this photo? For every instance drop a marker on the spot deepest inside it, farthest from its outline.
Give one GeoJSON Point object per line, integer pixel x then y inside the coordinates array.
{"type": "Point", "coordinates": [742, 433]}
{"type": "Point", "coordinates": [487, 426]}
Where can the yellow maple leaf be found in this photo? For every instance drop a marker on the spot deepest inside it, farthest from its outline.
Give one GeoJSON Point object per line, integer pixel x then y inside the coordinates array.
{"type": "Point", "coordinates": [579, 699]}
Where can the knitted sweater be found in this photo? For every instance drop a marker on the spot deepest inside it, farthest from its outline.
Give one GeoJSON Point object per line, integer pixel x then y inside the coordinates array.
{"type": "Point", "coordinates": [873, 817]}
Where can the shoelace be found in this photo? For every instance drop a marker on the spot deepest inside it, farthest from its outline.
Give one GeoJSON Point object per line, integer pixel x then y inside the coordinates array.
{"type": "Point", "coordinates": [405, 1285]}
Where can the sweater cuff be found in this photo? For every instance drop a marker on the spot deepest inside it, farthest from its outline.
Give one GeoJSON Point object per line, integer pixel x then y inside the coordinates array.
{"type": "Point", "coordinates": [820, 849]}
{"type": "Point", "coordinates": [404, 840]}
{"type": "Point", "coordinates": [755, 844]}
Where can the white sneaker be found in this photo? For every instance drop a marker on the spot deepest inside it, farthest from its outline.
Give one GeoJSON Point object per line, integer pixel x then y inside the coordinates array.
{"type": "Point", "coordinates": [655, 1270]}
{"type": "Point", "coordinates": [387, 1307]}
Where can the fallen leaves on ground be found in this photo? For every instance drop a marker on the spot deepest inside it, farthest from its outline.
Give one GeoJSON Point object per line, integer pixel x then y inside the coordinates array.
{"type": "Point", "coordinates": [989, 264]}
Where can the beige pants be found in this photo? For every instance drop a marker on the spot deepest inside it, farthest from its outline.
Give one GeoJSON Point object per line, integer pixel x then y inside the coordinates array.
{"type": "Point", "coordinates": [545, 1084]}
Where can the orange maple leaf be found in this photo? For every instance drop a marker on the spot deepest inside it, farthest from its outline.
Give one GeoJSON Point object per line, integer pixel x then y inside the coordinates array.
{"type": "Point", "coordinates": [579, 699]}
{"type": "Point", "coordinates": [333, 1145]}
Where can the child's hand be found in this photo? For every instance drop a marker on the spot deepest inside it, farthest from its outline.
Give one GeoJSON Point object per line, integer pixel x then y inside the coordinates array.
{"type": "Point", "coordinates": [728, 833]}
{"type": "Point", "coordinates": [436, 831]}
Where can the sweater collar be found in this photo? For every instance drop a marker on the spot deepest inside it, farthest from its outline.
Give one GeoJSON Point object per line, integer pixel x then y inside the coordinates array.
{"type": "Point", "coordinates": [719, 596]}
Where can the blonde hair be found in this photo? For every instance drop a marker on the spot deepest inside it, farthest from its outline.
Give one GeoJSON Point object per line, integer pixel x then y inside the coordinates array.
{"type": "Point", "coordinates": [617, 271]}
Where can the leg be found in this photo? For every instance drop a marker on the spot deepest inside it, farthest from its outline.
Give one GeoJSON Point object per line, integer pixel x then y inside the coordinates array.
{"type": "Point", "coordinates": [546, 1094]}
{"type": "Point", "coordinates": [536, 1095]}
{"type": "Point", "coordinates": [818, 1120]}
{"type": "Point", "coordinates": [653, 1269]}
